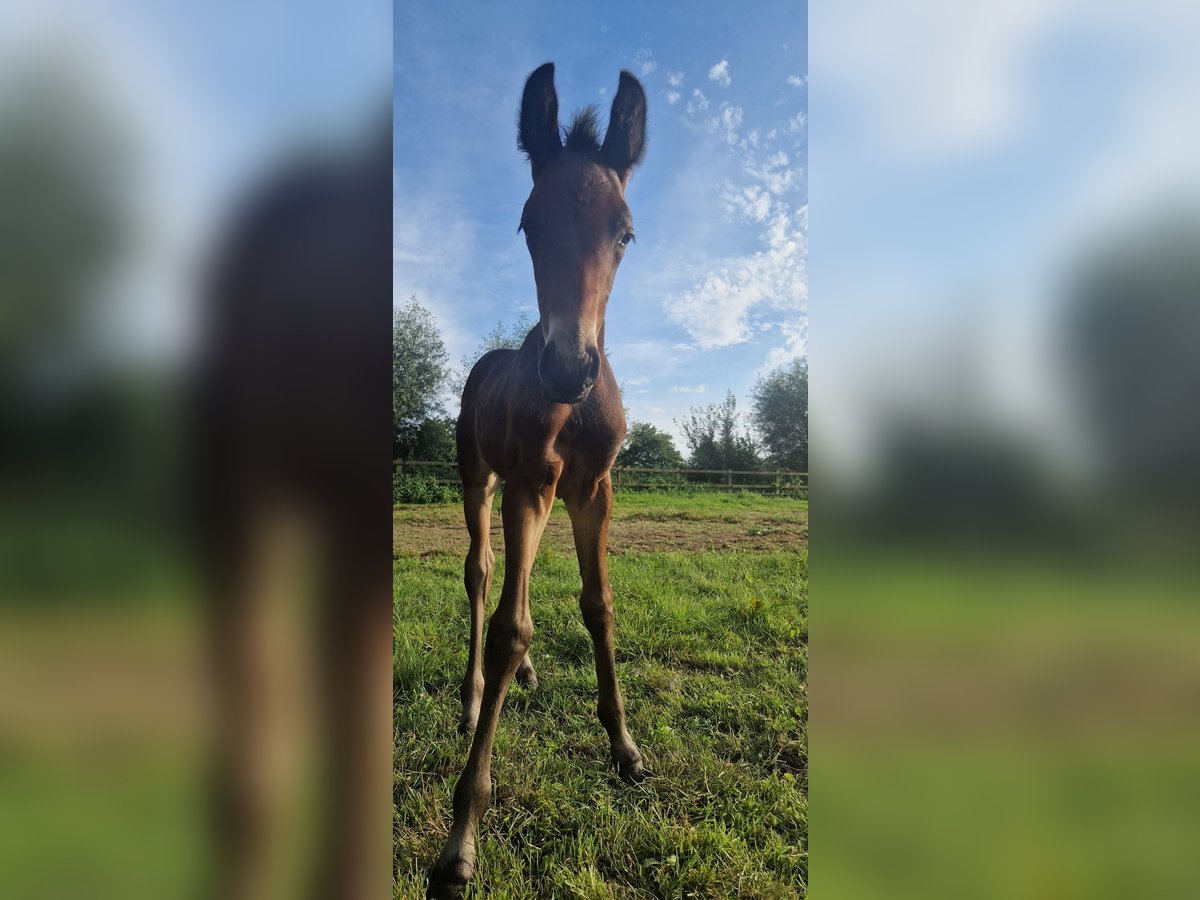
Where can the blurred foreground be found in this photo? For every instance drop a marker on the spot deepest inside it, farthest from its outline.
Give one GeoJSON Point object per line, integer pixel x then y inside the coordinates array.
{"type": "Point", "coordinates": [1006, 366]}
{"type": "Point", "coordinates": [195, 606]}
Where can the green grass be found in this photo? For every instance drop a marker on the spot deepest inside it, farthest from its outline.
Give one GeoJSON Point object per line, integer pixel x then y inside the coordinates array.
{"type": "Point", "coordinates": [1000, 724]}
{"type": "Point", "coordinates": [712, 657]}
{"type": "Point", "coordinates": [706, 501]}
{"type": "Point", "coordinates": [728, 507]}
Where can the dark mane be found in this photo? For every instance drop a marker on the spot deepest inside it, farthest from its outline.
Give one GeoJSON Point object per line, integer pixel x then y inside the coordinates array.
{"type": "Point", "coordinates": [582, 135]}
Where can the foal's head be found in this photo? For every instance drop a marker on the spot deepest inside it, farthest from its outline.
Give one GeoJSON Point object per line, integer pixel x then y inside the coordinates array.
{"type": "Point", "coordinates": [576, 223]}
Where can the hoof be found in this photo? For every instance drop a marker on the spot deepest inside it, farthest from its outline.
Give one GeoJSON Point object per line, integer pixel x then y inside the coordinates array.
{"type": "Point", "coordinates": [527, 678]}
{"type": "Point", "coordinates": [630, 766]}
{"type": "Point", "coordinates": [449, 882]}
{"type": "Point", "coordinates": [467, 722]}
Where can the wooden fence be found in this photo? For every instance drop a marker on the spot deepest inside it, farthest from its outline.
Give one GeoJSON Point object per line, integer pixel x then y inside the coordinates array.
{"type": "Point", "coordinates": [765, 481]}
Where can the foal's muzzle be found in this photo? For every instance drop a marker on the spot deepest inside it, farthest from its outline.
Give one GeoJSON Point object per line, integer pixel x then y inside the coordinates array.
{"type": "Point", "coordinates": [569, 379]}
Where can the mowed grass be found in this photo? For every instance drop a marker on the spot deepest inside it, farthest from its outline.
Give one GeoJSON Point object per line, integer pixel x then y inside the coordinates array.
{"type": "Point", "coordinates": [712, 658]}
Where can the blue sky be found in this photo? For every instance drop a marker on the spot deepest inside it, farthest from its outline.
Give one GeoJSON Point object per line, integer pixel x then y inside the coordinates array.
{"type": "Point", "coordinates": [714, 292]}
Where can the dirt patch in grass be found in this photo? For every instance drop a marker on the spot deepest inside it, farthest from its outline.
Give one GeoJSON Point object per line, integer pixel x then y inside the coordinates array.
{"type": "Point", "coordinates": [423, 530]}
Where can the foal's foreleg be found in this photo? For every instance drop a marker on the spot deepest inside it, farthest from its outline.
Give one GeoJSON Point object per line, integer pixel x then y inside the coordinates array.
{"type": "Point", "coordinates": [477, 577]}
{"type": "Point", "coordinates": [525, 509]}
{"type": "Point", "coordinates": [589, 521]}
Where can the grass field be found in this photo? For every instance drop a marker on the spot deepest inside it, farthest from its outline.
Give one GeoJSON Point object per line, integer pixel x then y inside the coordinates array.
{"type": "Point", "coordinates": [711, 633]}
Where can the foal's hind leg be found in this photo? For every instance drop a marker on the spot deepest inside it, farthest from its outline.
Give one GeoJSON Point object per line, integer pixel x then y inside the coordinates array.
{"type": "Point", "coordinates": [589, 521]}
{"type": "Point", "coordinates": [526, 675]}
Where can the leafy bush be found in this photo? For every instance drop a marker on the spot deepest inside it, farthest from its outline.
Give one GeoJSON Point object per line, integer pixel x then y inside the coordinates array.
{"type": "Point", "coordinates": [423, 488]}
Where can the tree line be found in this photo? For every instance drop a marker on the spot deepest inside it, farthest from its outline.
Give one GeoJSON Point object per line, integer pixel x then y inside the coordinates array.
{"type": "Point", "coordinates": [772, 434]}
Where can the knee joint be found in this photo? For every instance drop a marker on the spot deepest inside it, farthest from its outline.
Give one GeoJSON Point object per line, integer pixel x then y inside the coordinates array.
{"type": "Point", "coordinates": [473, 573]}
{"type": "Point", "coordinates": [478, 569]}
{"type": "Point", "coordinates": [507, 640]}
{"type": "Point", "coordinates": [597, 609]}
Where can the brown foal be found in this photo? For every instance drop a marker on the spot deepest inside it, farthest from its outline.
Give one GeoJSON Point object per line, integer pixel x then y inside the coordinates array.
{"type": "Point", "coordinates": [547, 421]}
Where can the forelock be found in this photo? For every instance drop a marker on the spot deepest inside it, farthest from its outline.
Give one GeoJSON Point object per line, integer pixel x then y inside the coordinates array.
{"type": "Point", "coordinates": [582, 134]}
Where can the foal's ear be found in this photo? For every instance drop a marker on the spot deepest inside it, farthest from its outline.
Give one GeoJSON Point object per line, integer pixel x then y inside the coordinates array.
{"type": "Point", "coordinates": [625, 140]}
{"type": "Point", "coordinates": [537, 131]}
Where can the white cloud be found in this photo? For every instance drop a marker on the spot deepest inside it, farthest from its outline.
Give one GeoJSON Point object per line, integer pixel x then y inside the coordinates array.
{"type": "Point", "coordinates": [752, 202]}
{"type": "Point", "coordinates": [698, 103]}
{"type": "Point", "coordinates": [656, 354]}
{"type": "Point", "coordinates": [675, 79]}
{"type": "Point", "coordinates": [797, 81]}
{"type": "Point", "coordinates": [688, 389]}
{"type": "Point", "coordinates": [987, 46]}
{"type": "Point", "coordinates": [717, 311]}
{"type": "Point", "coordinates": [672, 97]}
{"type": "Point", "coordinates": [746, 280]}
{"type": "Point", "coordinates": [775, 173]}
{"type": "Point", "coordinates": [795, 334]}
{"type": "Point", "coordinates": [727, 123]}
{"type": "Point", "coordinates": [644, 60]}
{"type": "Point", "coordinates": [797, 123]}
{"type": "Point", "coordinates": [720, 73]}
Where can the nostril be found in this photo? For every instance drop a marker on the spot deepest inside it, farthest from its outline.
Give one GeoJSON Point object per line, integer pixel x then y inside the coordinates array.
{"type": "Point", "coordinates": [546, 363]}
{"type": "Point", "coordinates": [568, 377]}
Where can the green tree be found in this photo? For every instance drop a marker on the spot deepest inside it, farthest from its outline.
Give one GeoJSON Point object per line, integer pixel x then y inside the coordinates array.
{"type": "Point", "coordinates": [501, 337]}
{"type": "Point", "coordinates": [66, 216]}
{"type": "Point", "coordinates": [1132, 339]}
{"type": "Point", "coordinates": [648, 447]}
{"type": "Point", "coordinates": [717, 437]}
{"type": "Point", "coordinates": [419, 373]}
{"type": "Point", "coordinates": [435, 441]}
{"type": "Point", "coordinates": [781, 415]}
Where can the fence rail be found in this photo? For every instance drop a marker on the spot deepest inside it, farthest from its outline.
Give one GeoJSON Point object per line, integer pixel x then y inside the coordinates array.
{"type": "Point", "coordinates": [765, 481]}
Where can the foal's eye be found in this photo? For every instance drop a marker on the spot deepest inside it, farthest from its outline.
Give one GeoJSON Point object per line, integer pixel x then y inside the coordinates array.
{"type": "Point", "coordinates": [627, 238]}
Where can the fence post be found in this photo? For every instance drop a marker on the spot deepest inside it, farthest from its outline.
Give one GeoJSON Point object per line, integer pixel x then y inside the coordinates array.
{"type": "Point", "coordinates": [778, 479]}
{"type": "Point", "coordinates": [729, 478]}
